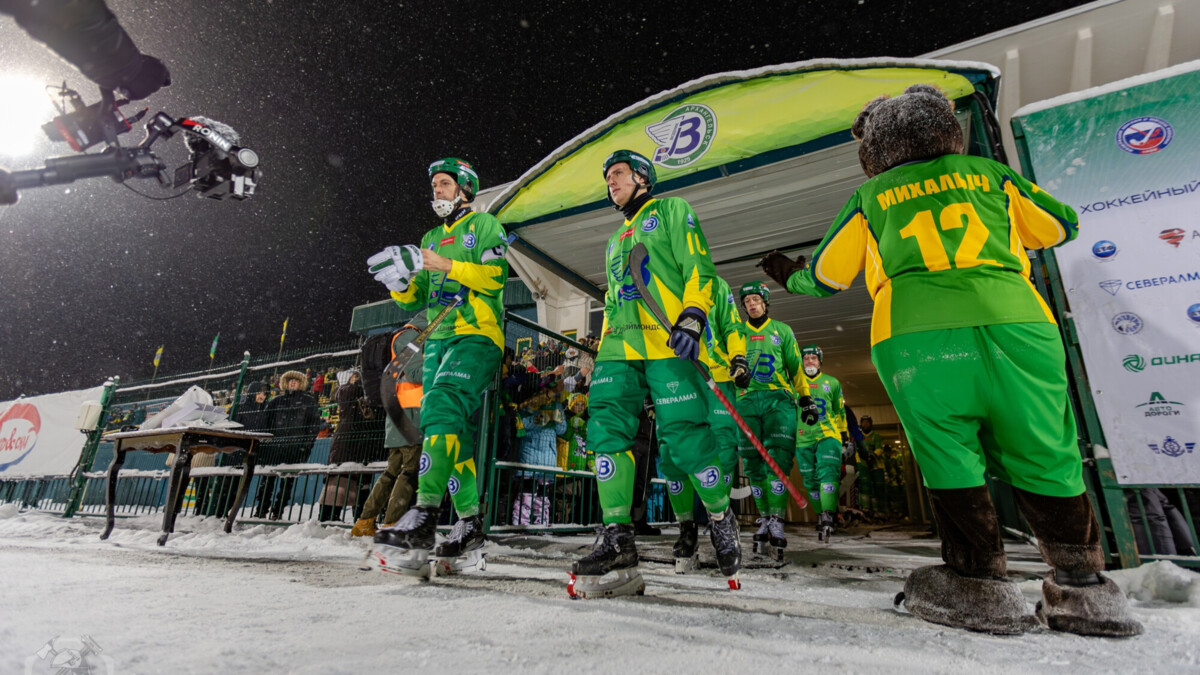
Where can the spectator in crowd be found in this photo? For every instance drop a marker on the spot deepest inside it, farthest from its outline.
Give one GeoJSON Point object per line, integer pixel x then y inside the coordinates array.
{"type": "Point", "coordinates": [1168, 529]}
{"type": "Point", "coordinates": [330, 381]}
{"type": "Point", "coordinates": [294, 418]}
{"type": "Point", "coordinates": [346, 446]}
{"type": "Point", "coordinates": [251, 413]}
{"type": "Point", "coordinates": [318, 387]}
{"type": "Point", "coordinates": [393, 492]}
{"type": "Point", "coordinates": [578, 458]}
{"type": "Point", "coordinates": [543, 419]}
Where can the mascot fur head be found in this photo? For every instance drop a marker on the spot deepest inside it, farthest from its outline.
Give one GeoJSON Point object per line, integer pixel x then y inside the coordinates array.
{"type": "Point", "coordinates": [916, 126]}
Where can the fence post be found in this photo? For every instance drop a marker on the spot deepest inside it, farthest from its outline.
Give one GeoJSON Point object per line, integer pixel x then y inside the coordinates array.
{"type": "Point", "coordinates": [237, 391]}
{"type": "Point", "coordinates": [79, 480]}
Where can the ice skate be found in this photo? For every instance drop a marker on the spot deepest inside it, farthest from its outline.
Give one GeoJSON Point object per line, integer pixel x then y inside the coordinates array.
{"type": "Point", "coordinates": [404, 547]}
{"type": "Point", "coordinates": [777, 540]}
{"type": "Point", "coordinates": [825, 526]}
{"type": "Point", "coordinates": [686, 557]}
{"type": "Point", "coordinates": [723, 531]}
{"type": "Point", "coordinates": [610, 570]}
{"type": "Point", "coordinates": [462, 550]}
{"type": "Point", "coordinates": [761, 537]}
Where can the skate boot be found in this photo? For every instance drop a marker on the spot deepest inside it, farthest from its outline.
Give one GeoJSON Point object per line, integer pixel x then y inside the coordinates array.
{"type": "Point", "coordinates": [404, 547]}
{"type": "Point", "coordinates": [723, 531]}
{"type": "Point", "coordinates": [686, 558]}
{"type": "Point", "coordinates": [777, 539]}
{"type": "Point", "coordinates": [825, 526]}
{"type": "Point", "coordinates": [463, 549]}
{"type": "Point", "coordinates": [363, 527]}
{"type": "Point", "coordinates": [1086, 603]}
{"type": "Point", "coordinates": [610, 569]}
{"type": "Point", "coordinates": [761, 536]}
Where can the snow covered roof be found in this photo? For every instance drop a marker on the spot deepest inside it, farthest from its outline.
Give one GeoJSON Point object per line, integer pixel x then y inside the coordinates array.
{"type": "Point", "coordinates": [1127, 83]}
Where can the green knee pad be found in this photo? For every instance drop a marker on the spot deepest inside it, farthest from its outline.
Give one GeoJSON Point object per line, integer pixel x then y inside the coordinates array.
{"type": "Point", "coordinates": [439, 455]}
{"type": "Point", "coordinates": [615, 475]}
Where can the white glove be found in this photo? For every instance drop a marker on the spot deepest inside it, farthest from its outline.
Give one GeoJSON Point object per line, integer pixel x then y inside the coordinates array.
{"type": "Point", "coordinates": [407, 259]}
{"type": "Point", "coordinates": [390, 276]}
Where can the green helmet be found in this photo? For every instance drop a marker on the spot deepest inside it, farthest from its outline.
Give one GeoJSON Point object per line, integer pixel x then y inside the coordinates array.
{"type": "Point", "coordinates": [755, 288]}
{"type": "Point", "coordinates": [813, 349]}
{"type": "Point", "coordinates": [638, 163]}
{"type": "Point", "coordinates": [463, 174]}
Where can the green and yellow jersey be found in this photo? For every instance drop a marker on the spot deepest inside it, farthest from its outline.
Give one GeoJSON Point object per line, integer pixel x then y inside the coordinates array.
{"type": "Point", "coordinates": [943, 245]}
{"type": "Point", "coordinates": [477, 244]}
{"type": "Point", "coordinates": [678, 273]}
{"type": "Point", "coordinates": [774, 358]}
{"type": "Point", "coordinates": [826, 392]}
{"type": "Point", "coordinates": [725, 340]}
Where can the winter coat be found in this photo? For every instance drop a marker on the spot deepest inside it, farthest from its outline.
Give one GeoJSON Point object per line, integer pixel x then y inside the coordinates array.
{"type": "Point", "coordinates": [319, 384]}
{"type": "Point", "coordinates": [540, 444]}
{"type": "Point", "coordinates": [295, 419]}
{"type": "Point", "coordinates": [347, 442]}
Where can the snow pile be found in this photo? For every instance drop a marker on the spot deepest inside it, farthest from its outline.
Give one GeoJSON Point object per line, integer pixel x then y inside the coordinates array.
{"type": "Point", "coordinates": [1162, 581]}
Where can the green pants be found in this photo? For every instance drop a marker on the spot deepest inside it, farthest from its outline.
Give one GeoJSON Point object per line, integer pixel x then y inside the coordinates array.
{"type": "Point", "coordinates": [456, 373]}
{"type": "Point", "coordinates": [821, 467]}
{"type": "Point", "coordinates": [725, 432]}
{"type": "Point", "coordinates": [771, 416]}
{"type": "Point", "coordinates": [681, 409]}
{"type": "Point", "coordinates": [985, 400]}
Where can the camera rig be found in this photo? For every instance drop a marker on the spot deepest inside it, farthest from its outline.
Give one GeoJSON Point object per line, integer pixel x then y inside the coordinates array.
{"type": "Point", "coordinates": [218, 168]}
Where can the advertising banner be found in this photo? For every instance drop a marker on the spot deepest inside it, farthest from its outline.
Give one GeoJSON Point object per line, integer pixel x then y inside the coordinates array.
{"type": "Point", "coordinates": [38, 435]}
{"type": "Point", "coordinates": [1127, 158]}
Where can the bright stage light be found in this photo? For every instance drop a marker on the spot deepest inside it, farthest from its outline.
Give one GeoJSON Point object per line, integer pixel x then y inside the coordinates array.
{"type": "Point", "coordinates": [24, 107]}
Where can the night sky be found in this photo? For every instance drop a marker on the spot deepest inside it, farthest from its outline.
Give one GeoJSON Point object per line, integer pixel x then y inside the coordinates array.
{"type": "Point", "coordinates": [347, 107]}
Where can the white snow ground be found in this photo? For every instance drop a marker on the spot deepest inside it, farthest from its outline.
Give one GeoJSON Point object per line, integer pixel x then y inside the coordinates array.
{"type": "Point", "coordinates": [272, 599]}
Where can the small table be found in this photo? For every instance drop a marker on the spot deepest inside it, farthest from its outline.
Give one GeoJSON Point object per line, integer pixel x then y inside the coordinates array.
{"type": "Point", "coordinates": [184, 442]}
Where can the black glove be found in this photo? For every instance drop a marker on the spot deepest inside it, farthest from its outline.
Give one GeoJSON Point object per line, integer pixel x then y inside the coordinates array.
{"type": "Point", "coordinates": [685, 336]}
{"type": "Point", "coordinates": [808, 410]}
{"type": "Point", "coordinates": [148, 76]}
{"type": "Point", "coordinates": [779, 267]}
{"type": "Point", "coordinates": [739, 370]}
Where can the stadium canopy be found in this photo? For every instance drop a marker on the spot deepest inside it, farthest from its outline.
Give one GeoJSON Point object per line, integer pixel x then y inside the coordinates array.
{"type": "Point", "coordinates": [766, 159]}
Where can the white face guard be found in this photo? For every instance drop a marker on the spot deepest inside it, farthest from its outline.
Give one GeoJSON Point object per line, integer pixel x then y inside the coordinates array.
{"type": "Point", "coordinates": [811, 371]}
{"type": "Point", "coordinates": [444, 207]}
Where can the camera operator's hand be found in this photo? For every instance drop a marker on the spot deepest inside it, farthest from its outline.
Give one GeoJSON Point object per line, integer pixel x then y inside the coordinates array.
{"type": "Point", "coordinates": [145, 77]}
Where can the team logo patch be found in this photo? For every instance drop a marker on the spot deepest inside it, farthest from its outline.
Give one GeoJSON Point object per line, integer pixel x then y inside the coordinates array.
{"type": "Point", "coordinates": [776, 487]}
{"type": "Point", "coordinates": [776, 340]}
{"type": "Point", "coordinates": [1104, 250]}
{"type": "Point", "coordinates": [425, 465]}
{"type": "Point", "coordinates": [1144, 135]}
{"type": "Point", "coordinates": [1111, 286]}
{"type": "Point", "coordinates": [691, 222]}
{"type": "Point", "coordinates": [605, 468]}
{"type": "Point", "coordinates": [650, 224]}
{"type": "Point", "coordinates": [469, 240]}
{"type": "Point", "coordinates": [1173, 236]}
{"type": "Point", "coordinates": [453, 485]}
{"type": "Point", "coordinates": [675, 486]}
{"type": "Point", "coordinates": [1134, 363]}
{"type": "Point", "coordinates": [709, 477]}
{"type": "Point", "coordinates": [673, 387]}
{"type": "Point", "coordinates": [1127, 323]}
{"type": "Point", "coordinates": [828, 487]}
{"type": "Point", "coordinates": [683, 136]}
{"type": "Point", "coordinates": [1171, 447]}
{"type": "Point", "coordinates": [756, 491]}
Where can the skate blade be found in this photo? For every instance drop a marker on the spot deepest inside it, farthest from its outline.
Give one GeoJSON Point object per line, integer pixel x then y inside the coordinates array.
{"type": "Point", "coordinates": [404, 562]}
{"type": "Point", "coordinates": [760, 548]}
{"type": "Point", "coordinates": [611, 585]}
{"type": "Point", "coordinates": [735, 582]}
{"type": "Point", "coordinates": [776, 553]}
{"type": "Point", "coordinates": [446, 567]}
{"type": "Point", "coordinates": [685, 565]}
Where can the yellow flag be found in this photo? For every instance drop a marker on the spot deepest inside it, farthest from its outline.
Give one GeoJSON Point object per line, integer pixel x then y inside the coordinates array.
{"type": "Point", "coordinates": [157, 356]}
{"type": "Point", "coordinates": [284, 334]}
